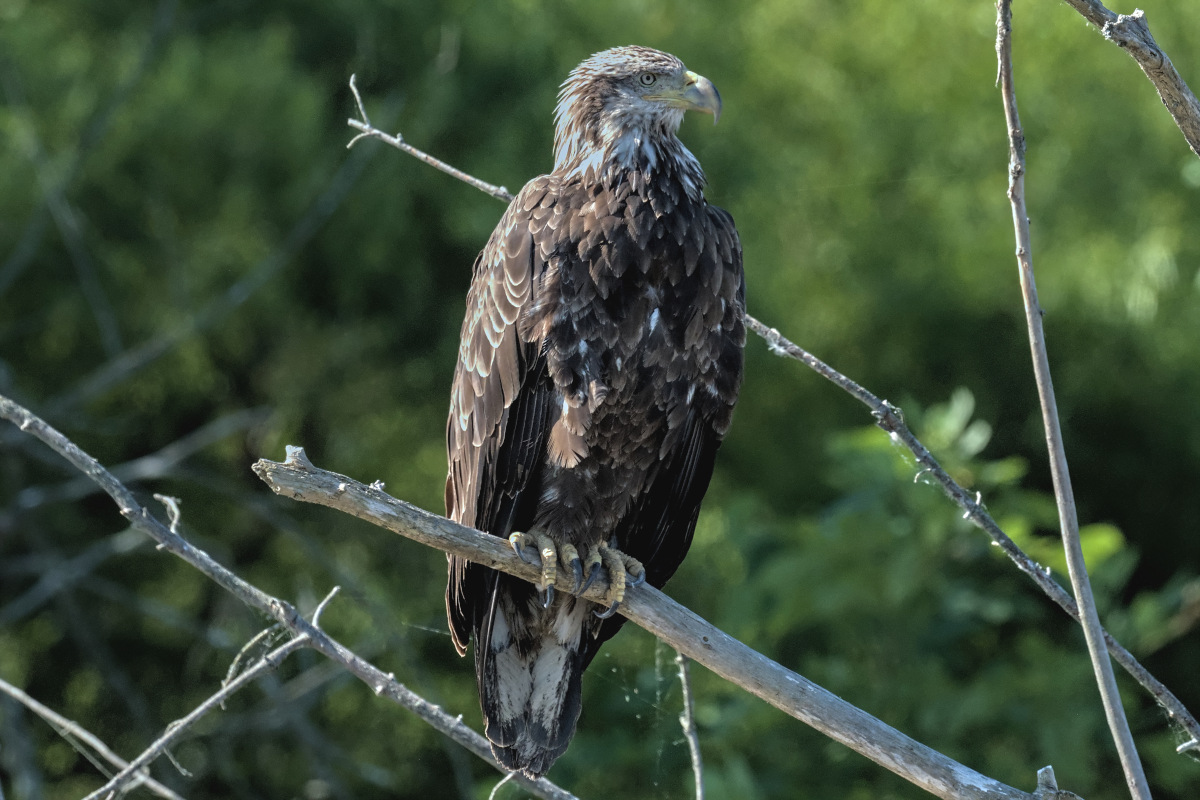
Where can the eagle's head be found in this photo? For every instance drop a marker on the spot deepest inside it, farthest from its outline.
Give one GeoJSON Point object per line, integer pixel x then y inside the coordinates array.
{"type": "Point", "coordinates": [621, 108]}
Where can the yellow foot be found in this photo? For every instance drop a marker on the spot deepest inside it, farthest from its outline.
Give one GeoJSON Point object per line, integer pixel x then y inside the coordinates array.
{"type": "Point", "coordinates": [546, 557]}
{"type": "Point", "coordinates": [539, 549]}
{"type": "Point", "coordinates": [617, 565]}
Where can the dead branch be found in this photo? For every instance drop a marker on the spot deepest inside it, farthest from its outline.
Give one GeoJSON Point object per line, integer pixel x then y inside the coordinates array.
{"type": "Point", "coordinates": [675, 625]}
{"type": "Point", "coordinates": [175, 729]}
{"type": "Point", "coordinates": [84, 740]}
{"type": "Point", "coordinates": [1064, 497]}
{"type": "Point", "coordinates": [1132, 34]}
{"type": "Point", "coordinates": [282, 612]}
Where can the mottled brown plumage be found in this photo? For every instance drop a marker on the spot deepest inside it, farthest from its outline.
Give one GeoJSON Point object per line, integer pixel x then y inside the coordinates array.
{"type": "Point", "coordinates": [600, 361]}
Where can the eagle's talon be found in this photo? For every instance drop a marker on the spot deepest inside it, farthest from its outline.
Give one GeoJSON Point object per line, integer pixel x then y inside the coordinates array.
{"type": "Point", "coordinates": [519, 541]}
{"type": "Point", "coordinates": [595, 564]}
{"type": "Point", "coordinates": [570, 555]}
{"type": "Point", "coordinates": [614, 564]}
{"type": "Point", "coordinates": [608, 612]}
{"type": "Point", "coordinates": [547, 559]}
{"type": "Point", "coordinates": [593, 573]}
{"type": "Point", "coordinates": [635, 572]}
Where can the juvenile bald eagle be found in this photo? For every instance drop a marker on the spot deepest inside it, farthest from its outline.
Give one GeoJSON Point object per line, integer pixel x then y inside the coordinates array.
{"type": "Point", "coordinates": [600, 361]}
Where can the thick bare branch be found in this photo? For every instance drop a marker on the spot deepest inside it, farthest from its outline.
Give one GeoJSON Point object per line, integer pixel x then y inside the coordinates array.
{"type": "Point", "coordinates": [1131, 763]}
{"type": "Point", "coordinates": [651, 609]}
{"type": "Point", "coordinates": [282, 612]}
{"type": "Point", "coordinates": [1132, 34]}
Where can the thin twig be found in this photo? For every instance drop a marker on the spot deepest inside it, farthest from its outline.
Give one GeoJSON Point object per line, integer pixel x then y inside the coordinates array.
{"type": "Point", "coordinates": [1135, 776]}
{"type": "Point", "coordinates": [58, 576]}
{"type": "Point", "coordinates": [687, 721]}
{"type": "Point", "coordinates": [175, 729]}
{"type": "Point", "coordinates": [316, 617]}
{"type": "Point", "coordinates": [153, 466]}
{"type": "Point", "coordinates": [75, 733]}
{"type": "Point", "coordinates": [381, 684]}
{"type": "Point", "coordinates": [261, 640]}
{"type": "Point", "coordinates": [890, 419]}
{"type": "Point", "coordinates": [370, 131]}
{"type": "Point", "coordinates": [501, 782]}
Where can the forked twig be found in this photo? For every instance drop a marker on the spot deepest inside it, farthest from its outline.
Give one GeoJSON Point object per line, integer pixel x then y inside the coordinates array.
{"type": "Point", "coordinates": [175, 729]}
{"type": "Point", "coordinates": [397, 141]}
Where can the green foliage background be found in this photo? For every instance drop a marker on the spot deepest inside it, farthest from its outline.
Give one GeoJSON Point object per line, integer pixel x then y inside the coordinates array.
{"type": "Point", "coordinates": [188, 254]}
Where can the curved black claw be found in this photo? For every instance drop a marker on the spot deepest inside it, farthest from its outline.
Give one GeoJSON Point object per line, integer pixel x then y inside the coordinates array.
{"type": "Point", "coordinates": [591, 578]}
{"type": "Point", "coordinates": [635, 580]}
{"type": "Point", "coordinates": [522, 550]}
{"type": "Point", "coordinates": [577, 573]}
{"type": "Point", "coordinates": [547, 597]}
{"type": "Point", "coordinates": [608, 612]}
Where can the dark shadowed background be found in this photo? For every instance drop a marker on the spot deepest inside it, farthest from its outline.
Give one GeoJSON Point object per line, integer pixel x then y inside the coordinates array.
{"type": "Point", "coordinates": [194, 272]}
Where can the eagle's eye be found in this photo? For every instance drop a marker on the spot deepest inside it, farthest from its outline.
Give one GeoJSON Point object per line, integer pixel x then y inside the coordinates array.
{"type": "Point", "coordinates": [648, 78]}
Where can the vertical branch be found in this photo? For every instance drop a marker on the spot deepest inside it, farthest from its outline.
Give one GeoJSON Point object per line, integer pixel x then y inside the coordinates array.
{"type": "Point", "coordinates": [1068, 520]}
{"type": "Point", "coordinates": [688, 720]}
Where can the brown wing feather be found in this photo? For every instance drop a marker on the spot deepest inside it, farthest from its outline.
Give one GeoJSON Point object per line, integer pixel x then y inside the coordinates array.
{"type": "Point", "coordinates": [499, 404]}
{"type": "Point", "coordinates": [658, 527]}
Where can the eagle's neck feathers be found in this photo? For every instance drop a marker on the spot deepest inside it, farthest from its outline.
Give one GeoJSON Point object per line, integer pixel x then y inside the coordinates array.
{"type": "Point", "coordinates": [601, 135]}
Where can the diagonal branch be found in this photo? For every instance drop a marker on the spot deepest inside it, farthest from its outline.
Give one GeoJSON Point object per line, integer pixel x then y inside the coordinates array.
{"type": "Point", "coordinates": [278, 610]}
{"type": "Point", "coordinates": [1135, 776]}
{"type": "Point", "coordinates": [1132, 34]}
{"type": "Point", "coordinates": [673, 624]}
{"type": "Point", "coordinates": [79, 736]}
{"type": "Point", "coordinates": [176, 729]}
{"type": "Point", "coordinates": [889, 418]}
{"type": "Point", "coordinates": [397, 141]}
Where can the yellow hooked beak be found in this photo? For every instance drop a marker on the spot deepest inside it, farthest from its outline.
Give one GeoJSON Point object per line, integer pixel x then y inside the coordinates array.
{"type": "Point", "coordinates": [696, 94]}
